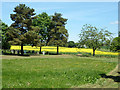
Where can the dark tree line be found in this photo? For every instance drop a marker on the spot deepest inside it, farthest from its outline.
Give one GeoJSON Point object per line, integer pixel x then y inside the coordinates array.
{"type": "Point", "coordinates": [36, 30]}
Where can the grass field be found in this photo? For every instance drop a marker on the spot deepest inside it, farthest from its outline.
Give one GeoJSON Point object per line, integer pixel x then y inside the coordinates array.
{"type": "Point", "coordinates": [61, 71]}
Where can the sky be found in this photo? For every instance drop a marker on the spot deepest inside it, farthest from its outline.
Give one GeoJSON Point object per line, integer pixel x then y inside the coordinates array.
{"type": "Point", "coordinates": [99, 14]}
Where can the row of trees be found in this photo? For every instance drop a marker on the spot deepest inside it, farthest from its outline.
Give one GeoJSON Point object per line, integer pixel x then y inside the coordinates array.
{"type": "Point", "coordinates": [40, 30]}
{"type": "Point", "coordinates": [36, 30]}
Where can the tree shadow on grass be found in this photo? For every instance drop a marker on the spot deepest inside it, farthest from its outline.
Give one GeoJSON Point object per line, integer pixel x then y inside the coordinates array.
{"type": "Point", "coordinates": [15, 54]}
{"type": "Point", "coordinates": [54, 54]}
{"type": "Point", "coordinates": [47, 53]}
{"type": "Point", "coordinates": [118, 72]}
{"type": "Point", "coordinates": [115, 78]}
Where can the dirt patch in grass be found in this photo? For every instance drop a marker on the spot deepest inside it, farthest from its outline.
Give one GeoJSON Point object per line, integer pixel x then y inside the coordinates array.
{"type": "Point", "coordinates": [36, 56]}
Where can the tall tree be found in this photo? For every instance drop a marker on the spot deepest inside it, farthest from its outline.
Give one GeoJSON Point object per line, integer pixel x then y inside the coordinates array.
{"type": "Point", "coordinates": [58, 34]}
{"type": "Point", "coordinates": [5, 44]}
{"type": "Point", "coordinates": [43, 21]}
{"type": "Point", "coordinates": [93, 37]}
{"type": "Point", "coordinates": [21, 31]}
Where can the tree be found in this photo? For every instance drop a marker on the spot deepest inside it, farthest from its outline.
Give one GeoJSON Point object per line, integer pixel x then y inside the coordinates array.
{"type": "Point", "coordinates": [5, 44]}
{"type": "Point", "coordinates": [71, 44]}
{"type": "Point", "coordinates": [107, 44]}
{"type": "Point", "coordinates": [115, 44]}
{"type": "Point", "coordinates": [58, 34]}
{"type": "Point", "coordinates": [43, 21]}
{"type": "Point", "coordinates": [77, 44]}
{"type": "Point", "coordinates": [93, 37]}
{"type": "Point", "coordinates": [21, 31]}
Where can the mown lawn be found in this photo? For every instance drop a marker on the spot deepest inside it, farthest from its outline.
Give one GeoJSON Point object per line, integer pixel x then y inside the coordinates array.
{"type": "Point", "coordinates": [53, 72]}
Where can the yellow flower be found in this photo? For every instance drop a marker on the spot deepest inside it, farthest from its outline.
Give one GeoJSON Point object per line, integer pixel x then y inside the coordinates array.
{"type": "Point", "coordinates": [63, 49]}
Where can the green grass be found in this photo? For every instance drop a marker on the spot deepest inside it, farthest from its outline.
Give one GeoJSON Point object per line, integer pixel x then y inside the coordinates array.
{"type": "Point", "coordinates": [54, 72]}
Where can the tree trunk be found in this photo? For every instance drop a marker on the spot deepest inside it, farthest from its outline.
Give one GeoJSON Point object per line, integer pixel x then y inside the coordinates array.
{"type": "Point", "coordinates": [40, 50]}
{"type": "Point", "coordinates": [22, 49]}
{"type": "Point", "coordinates": [57, 50]}
{"type": "Point", "coordinates": [93, 52]}
{"type": "Point", "coordinates": [13, 51]}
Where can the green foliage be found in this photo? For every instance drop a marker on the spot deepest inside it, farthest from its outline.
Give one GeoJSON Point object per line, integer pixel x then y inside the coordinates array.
{"type": "Point", "coordinates": [21, 31]}
{"type": "Point", "coordinates": [77, 44]}
{"type": "Point", "coordinates": [94, 38]}
{"type": "Point", "coordinates": [115, 44]}
{"type": "Point", "coordinates": [43, 21]}
{"type": "Point", "coordinates": [56, 72]}
{"type": "Point", "coordinates": [5, 44]}
{"type": "Point", "coordinates": [58, 34]}
{"type": "Point", "coordinates": [71, 44]}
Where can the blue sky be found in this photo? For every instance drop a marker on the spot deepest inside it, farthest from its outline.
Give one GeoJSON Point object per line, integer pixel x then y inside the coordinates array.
{"type": "Point", "coordinates": [99, 14]}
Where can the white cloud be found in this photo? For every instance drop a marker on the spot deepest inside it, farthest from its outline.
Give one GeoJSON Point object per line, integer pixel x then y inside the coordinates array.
{"type": "Point", "coordinates": [115, 22]}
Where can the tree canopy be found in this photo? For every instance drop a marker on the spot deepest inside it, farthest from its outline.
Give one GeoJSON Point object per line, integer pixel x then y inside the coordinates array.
{"type": "Point", "coordinates": [44, 22]}
{"type": "Point", "coordinates": [115, 44]}
{"type": "Point", "coordinates": [5, 44]}
{"type": "Point", "coordinates": [21, 31]}
{"type": "Point", "coordinates": [93, 37]}
{"type": "Point", "coordinates": [58, 34]}
{"type": "Point", "coordinates": [71, 44]}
